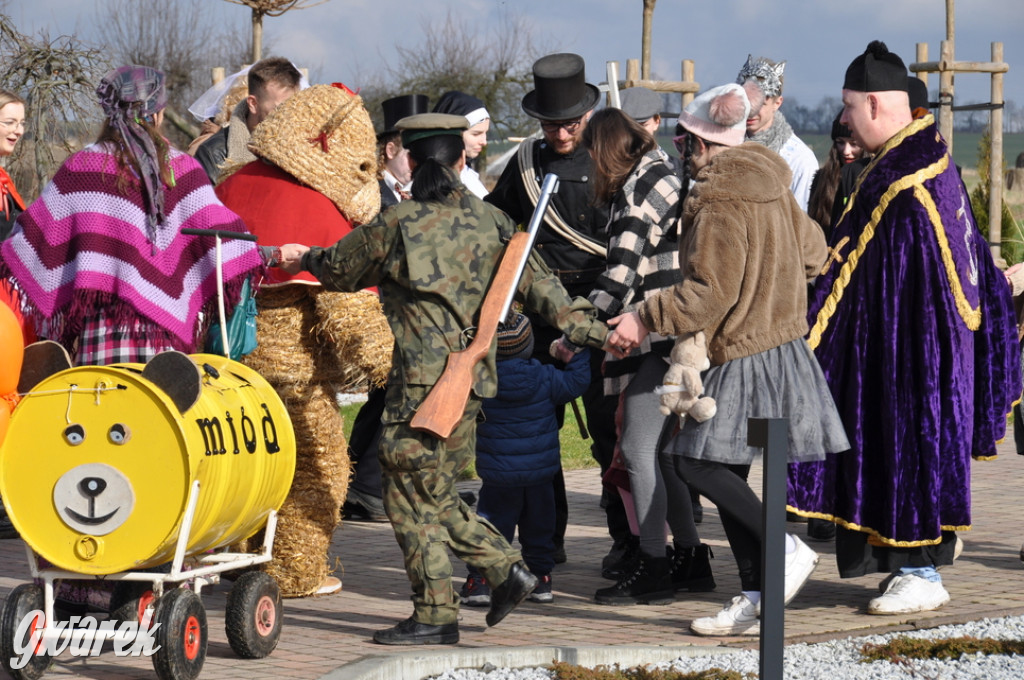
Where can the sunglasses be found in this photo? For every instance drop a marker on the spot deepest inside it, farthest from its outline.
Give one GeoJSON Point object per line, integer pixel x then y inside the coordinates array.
{"type": "Point", "coordinates": [680, 143]}
{"type": "Point", "coordinates": [570, 126]}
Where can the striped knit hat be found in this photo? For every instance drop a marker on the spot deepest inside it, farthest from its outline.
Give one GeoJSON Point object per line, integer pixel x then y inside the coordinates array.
{"type": "Point", "coordinates": [515, 338]}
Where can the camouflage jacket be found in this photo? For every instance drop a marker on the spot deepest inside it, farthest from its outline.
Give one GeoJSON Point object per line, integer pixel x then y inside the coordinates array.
{"type": "Point", "coordinates": [432, 263]}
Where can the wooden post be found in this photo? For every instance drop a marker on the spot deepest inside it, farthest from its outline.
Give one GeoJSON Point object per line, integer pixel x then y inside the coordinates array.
{"type": "Point", "coordinates": [922, 56]}
{"type": "Point", "coordinates": [995, 175]}
{"type": "Point", "coordinates": [632, 72]}
{"type": "Point", "coordinates": [946, 92]}
{"type": "Point", "coordinates": [645, 48]}
{"type": "Point", "coordinates": [217, 74]}
{"type": "Point", "coordinates": [688, 78]}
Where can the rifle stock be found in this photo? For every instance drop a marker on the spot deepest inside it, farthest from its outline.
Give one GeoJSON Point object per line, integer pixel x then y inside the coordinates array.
{"type": "Point", "coordinates": [446, 402]}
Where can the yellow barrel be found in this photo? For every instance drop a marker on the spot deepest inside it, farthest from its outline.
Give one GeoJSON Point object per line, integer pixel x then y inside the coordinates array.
{"type": "Point", "coordinates": [98, 461]}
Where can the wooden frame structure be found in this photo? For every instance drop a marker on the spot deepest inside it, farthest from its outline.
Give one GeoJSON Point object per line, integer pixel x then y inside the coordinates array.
{"type": "Point", "coordinates": [946, 67]}
{"type": "Point", "coordinates": [687, 87]}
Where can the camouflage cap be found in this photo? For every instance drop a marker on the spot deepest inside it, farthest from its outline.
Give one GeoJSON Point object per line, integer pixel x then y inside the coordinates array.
{"type": "Point", "coordinates": [425, 125]}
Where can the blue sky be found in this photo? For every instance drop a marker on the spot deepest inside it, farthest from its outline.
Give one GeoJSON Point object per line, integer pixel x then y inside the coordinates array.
{"type": "Point", "coordinates": [345, 39]}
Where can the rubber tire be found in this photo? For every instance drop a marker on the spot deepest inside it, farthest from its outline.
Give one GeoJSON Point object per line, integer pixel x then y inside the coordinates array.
{"type": "Point", "coordinates": [22, 600]}
{"type": "Point", "coordinates": [182, 636]}
{"type": "Point", "coordinates": [253, 615]}
{"type": "Point", "coordinates": [129, 600]}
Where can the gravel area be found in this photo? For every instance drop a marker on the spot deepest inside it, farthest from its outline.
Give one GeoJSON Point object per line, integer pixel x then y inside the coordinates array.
{"type": "Point", "coordinates": [837, 659]}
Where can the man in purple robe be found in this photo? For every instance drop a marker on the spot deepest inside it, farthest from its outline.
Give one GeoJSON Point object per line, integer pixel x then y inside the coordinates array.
{"type": "Point", "coordinates": [913, 326]}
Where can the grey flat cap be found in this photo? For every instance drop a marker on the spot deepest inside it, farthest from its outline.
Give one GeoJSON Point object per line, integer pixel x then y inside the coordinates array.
{"type": "Point", "coordinates": [639, 103]}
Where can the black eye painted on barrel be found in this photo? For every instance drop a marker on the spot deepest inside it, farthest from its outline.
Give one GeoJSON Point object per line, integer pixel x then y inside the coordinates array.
{"type": "Point", "coordinates": [74, 434]}
{"type": "Point", "coordinates": [119, 434]}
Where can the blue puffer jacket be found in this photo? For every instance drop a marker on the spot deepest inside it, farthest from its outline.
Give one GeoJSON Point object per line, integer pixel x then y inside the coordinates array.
{"type": "Point", "coordinates": [517, 443]}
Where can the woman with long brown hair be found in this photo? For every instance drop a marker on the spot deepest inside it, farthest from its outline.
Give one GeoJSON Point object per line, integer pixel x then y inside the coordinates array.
{"type": "Point", "coordinates": [644, 194]}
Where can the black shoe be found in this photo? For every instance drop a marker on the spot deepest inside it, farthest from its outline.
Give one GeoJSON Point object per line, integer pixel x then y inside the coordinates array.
{"type": "Point", "coordinates": [468, 497]}
{"type": "Point", "coordinates": [649, 583]}
{"type": "Point", "coordinates": [412, 632]}
{"type": "Point", "coordinates": [559, 555]}
{"type": "Point", "coordinates": [820, 529]}
{"type": "Point", "coordinates": [510, 593]}
{"type": "Point", "coordinates": [361, 507]}
{"type": "Point", "coordinates": [691, 569]}
{"type": "Point", "coordinates": [621, 559]}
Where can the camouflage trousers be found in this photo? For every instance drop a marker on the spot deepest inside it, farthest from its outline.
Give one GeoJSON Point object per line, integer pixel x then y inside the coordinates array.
{"type": "Point", "coordinates": [419, 474]}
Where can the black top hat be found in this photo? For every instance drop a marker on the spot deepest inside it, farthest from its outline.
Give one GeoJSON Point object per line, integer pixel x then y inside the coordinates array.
{"type": "Point", "coordinates": [560, 91]}
{"type": "Point", "coordinates": [397, 108]}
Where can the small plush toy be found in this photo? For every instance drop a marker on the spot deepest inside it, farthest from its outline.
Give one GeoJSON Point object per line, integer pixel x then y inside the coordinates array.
{"type": "Point", "coordinates": [682, 386]}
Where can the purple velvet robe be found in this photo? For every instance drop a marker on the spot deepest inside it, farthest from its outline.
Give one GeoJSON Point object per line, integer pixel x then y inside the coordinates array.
{"type": "Point", "coordinates": [913, 326]}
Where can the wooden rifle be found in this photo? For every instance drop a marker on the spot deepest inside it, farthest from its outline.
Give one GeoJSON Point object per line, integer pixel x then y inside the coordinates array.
{"type": "Point", "coordinates": [446, 402]}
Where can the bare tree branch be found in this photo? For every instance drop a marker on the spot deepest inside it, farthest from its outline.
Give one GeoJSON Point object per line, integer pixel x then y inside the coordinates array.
{"type": "Point", "coordinates": [270, 8]}
{"type": "Point", "coordinates": [58, 79]}
{"type": "Point", "coordinates": [179, 38]}
{"type": "Point", "coordinates": [494, 66]}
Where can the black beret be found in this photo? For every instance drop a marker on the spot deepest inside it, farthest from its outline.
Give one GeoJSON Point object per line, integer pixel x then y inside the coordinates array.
{"type": "Point", "coordinates": [877, 70]}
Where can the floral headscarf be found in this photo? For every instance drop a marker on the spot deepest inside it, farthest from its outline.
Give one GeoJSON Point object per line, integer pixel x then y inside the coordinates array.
{"type": "Point", "coordinates": [127, 95]}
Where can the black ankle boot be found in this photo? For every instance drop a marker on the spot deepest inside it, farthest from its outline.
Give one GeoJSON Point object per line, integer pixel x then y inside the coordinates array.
{"type": "Point", "coordinates": [621, 564]}
{"type": "Point", "coordinates": [691, 569]}
{"type": "Point", "coordinates": [649, 582]}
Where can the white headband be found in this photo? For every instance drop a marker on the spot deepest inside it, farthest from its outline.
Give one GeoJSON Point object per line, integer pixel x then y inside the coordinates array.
{"type": "Point", "coordinates": [477, 116]}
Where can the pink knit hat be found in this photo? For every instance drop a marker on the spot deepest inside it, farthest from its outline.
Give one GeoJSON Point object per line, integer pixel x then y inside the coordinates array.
{"type": "Point", "coordinates": [718, 115]}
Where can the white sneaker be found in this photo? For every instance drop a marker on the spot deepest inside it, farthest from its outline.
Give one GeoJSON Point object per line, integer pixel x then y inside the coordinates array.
{"type": "Point", "coordinates": [958, 548]}
{"type": "Point", "coordinates": [799, 565]}
{"type": "Point", "coordinates": [739, 617]}
{"type": "Point", "coordinates": [907, 594]}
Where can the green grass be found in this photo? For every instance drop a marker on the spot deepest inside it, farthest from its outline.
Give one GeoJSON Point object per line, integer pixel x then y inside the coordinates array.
{"type": "Point", "coordinates": [575, 450]}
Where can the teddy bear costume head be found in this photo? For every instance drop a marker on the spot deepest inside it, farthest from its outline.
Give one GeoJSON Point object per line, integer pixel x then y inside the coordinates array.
{"type": "Point", "coordinates": [682, 386]}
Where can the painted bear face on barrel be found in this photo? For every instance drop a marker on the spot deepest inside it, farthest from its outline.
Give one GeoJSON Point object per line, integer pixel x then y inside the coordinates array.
{"type": "Point", "coordinates": [98, 442]}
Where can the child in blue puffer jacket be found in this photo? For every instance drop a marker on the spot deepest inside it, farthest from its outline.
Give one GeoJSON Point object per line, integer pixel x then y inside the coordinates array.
{"type": "Point", "coordinates": [518, 453]}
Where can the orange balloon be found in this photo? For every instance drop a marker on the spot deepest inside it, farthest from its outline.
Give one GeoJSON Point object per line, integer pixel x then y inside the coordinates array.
{"type": "Point", "coordinates": [12, 350]}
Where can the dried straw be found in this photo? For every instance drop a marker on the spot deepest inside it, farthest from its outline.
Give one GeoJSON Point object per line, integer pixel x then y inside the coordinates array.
{"type": "Point", "coordinates": [323, 137]}
{"type": "Point", "coordinates": [353, 326]}
{"type": "Point", "coordinates": [305, 370]}
{"type": "Point", "coordinates": [307, 520]}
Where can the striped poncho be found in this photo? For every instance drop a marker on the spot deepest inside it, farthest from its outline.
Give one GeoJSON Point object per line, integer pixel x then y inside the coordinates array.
{"type": "Point", "coordinates": [82, 249]}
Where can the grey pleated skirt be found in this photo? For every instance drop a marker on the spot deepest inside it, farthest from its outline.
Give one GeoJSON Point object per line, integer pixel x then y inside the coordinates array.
{"type": "Point", "coordinates": [783, 382]}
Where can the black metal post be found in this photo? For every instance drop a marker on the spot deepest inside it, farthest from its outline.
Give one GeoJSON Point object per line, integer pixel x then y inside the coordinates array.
{"type": "Point", "coordinates": [770, 434]}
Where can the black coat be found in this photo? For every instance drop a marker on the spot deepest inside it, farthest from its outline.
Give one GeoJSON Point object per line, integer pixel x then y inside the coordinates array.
{"type": "Point", "coordinates": [576, 268]}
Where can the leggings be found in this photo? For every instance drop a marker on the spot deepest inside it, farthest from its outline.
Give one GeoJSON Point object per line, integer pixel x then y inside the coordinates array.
{"type": "Point", "coordinates": [738, 506]}
{"type": "Point", "coordinates": [655, 497]}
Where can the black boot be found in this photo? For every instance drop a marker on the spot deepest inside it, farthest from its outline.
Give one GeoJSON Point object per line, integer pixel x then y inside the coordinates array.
{"type": "Point", "coordinates": [691, 569]}
{"type": "Point", "coordinates": [412, 632]}
{"type": "Point", "coordinates": [650, 582]}
{"type": "Point", "coordinates": [622, 559]}
{"type": "Point", "coordinates": [510, 593]}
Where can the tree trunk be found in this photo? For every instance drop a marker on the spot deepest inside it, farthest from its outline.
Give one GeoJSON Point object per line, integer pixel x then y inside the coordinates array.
{"type": "Point", "coordinates": [257, 36]}
{"type": "Point", "coordinates": [645, 50]}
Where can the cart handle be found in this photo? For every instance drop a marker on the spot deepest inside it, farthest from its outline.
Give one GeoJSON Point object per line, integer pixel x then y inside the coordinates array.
{"type": "Point", "coordinates": [222, 233]}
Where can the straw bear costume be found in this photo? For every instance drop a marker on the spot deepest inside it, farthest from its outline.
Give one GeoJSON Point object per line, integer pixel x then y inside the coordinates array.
{"type": "Point", "coordinates": [315, 177]}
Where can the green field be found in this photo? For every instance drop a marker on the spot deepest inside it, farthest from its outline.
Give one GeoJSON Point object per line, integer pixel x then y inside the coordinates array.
{"type": "Point", "coordinates": [965, 147]}
{"type": "Point", "coordinates": [575, 450]}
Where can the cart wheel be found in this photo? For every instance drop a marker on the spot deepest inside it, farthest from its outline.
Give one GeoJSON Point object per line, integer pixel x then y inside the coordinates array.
{"type": "Point", "coordinates": [23, 600]}
{"type": "Point", "coordinates": [252, 616]}
{"type": "Point", "coordinates": [181, 635]}
{"type": "Point", "coordinates": [130, 600]}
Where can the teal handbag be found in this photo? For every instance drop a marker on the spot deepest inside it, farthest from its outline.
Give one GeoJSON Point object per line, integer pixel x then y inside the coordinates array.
{"type": "Point", "coordinates": [241, 327]}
